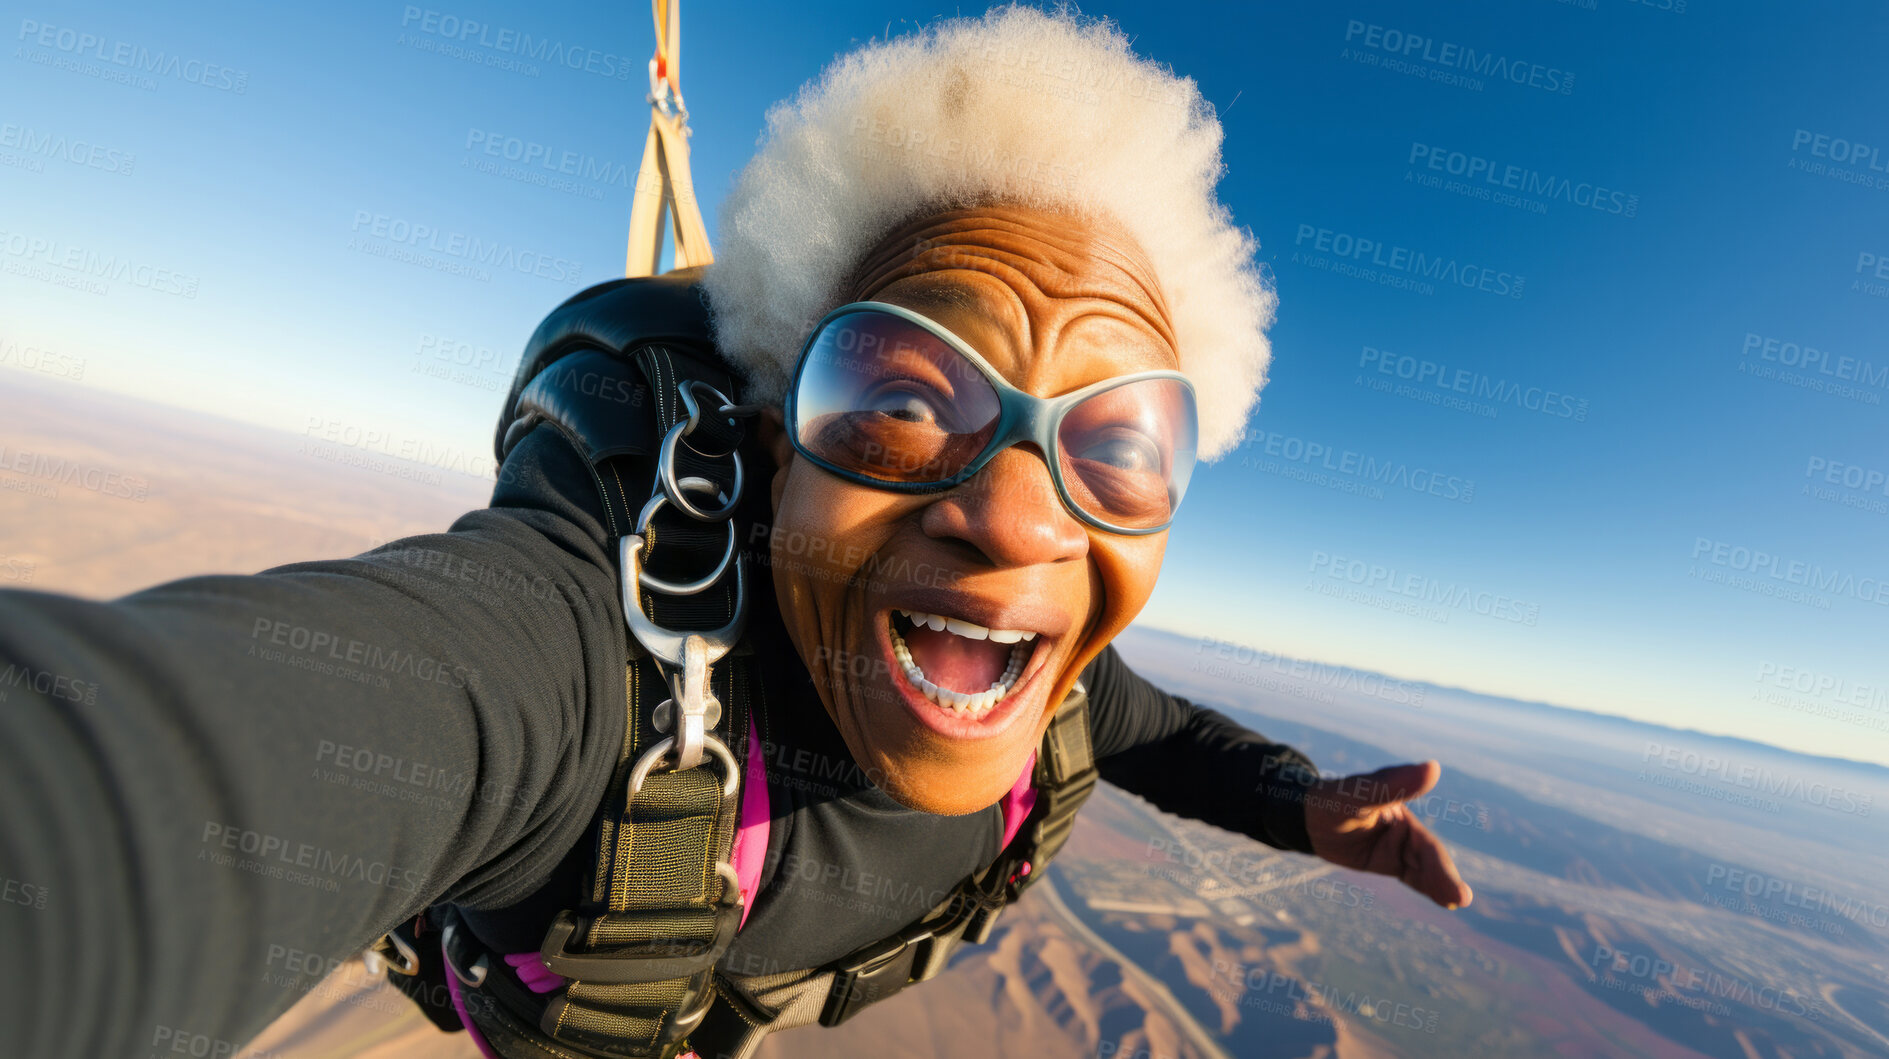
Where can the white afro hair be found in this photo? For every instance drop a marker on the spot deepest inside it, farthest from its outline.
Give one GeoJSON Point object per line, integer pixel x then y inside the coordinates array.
{"type": "Point", "coordinates": [1020, 106]}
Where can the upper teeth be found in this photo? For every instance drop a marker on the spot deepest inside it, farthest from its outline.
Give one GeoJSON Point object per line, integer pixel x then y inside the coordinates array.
{"type": "Point", "coordinates": [973, 704]}
{"type": "Point", "coordinates": [970, 630]}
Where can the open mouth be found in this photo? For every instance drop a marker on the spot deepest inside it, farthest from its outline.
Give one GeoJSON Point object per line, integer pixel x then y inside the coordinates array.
{"type": "Point", "coordinates": [963, 668]}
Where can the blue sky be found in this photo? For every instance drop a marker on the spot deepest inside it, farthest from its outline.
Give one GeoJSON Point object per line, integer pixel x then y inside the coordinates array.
{"type": "Point", "coordinates": [1601, 553]}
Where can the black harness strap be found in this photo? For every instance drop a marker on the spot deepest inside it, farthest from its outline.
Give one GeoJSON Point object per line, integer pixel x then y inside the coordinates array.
{"type": "Point", "coordinates": [613, 371]}
{"type": "Point", "coordinates": [752, 1007]}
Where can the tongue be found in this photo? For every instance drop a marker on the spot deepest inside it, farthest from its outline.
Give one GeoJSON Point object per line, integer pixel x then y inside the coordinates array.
{"type": "Point", "coordinates": [957, 662]}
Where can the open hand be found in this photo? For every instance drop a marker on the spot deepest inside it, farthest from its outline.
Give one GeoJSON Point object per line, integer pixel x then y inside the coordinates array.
{"type": "Point", "coordinates": [1362, 822]}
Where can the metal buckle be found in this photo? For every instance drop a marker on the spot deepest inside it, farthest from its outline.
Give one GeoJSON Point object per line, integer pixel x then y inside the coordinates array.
{"type": "Point", "coordinates": [652, 961]}
{"type": "Point", "coordinates": [377, 959]}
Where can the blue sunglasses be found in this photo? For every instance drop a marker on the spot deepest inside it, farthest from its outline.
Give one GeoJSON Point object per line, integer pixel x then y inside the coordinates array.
{"type": "Point", "coordinates": [885, 397]}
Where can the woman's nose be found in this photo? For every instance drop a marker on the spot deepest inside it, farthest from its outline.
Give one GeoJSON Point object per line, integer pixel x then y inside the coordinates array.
{"type": "Point", "coordinates": [1010, 511]}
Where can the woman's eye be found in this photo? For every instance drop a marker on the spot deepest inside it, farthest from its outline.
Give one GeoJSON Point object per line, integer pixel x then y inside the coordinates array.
{"type": "Point", "coordinates": [904, 405]}
{"type": "Point", "coordinates": [1133, 453]}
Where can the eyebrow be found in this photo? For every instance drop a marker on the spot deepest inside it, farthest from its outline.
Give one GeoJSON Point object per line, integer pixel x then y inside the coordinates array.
{"type": "Point", "coordinates": [945, 295]}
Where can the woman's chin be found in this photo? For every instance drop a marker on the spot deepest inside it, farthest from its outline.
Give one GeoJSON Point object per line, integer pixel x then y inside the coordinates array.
{"type": "Point", "coordinates": [946, 795]}
{"type": "Point", "coordinates": [941, 787]}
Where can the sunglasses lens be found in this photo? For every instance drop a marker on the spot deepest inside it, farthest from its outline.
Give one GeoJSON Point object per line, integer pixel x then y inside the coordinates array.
{"type": "Point", "coordinates": [882, 397]}
{"type": "Point", "coordinates": [1128, 452]}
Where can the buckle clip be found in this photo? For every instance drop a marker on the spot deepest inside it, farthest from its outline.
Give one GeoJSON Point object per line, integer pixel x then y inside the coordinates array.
{"type": "Point", "coordinates": [651, 961]}
{"type": "Point", "coordinates": [875, 973]}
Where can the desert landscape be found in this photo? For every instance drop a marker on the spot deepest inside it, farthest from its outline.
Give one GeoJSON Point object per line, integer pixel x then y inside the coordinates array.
{"type": "Point", "coordinates": [1628, 902]}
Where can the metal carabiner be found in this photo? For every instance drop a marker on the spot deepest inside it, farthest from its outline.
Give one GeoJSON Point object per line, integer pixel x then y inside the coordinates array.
{"type": "Point", "coordinates": [667, 645]}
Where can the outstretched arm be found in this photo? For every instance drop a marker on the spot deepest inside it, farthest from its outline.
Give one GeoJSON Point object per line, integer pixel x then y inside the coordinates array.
{"type": "Point", "coordinates": [1200, 763]}
{"type": "Point", "coordinates": [211, 785]}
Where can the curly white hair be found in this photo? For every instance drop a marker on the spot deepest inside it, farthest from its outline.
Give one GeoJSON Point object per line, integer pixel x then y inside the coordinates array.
{"type": "Point", "coordinates": [1023, 106]}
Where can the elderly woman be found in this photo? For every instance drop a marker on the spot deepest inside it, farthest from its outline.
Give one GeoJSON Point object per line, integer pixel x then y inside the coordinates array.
{"type": "Point", "coordinates": [977, 313]}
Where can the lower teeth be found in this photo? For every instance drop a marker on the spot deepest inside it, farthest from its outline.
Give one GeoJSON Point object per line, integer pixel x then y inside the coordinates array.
{"type": "Point", "coordinates": [960, 703]}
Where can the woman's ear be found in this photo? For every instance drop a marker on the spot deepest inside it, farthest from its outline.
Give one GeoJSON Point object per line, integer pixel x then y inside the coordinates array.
{"type": "Point", "coordinates": [771, 430]}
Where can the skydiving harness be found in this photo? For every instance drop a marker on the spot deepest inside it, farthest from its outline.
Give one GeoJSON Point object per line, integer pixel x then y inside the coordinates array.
{"type": "Point", "coordinates": [621, 371]}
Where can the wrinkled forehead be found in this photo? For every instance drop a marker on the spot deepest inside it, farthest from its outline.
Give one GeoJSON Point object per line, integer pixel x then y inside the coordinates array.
{"type": "Point", "coordinates": [1050, 300]}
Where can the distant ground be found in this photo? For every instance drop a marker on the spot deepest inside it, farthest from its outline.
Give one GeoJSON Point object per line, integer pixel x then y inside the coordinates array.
{"type": "Point", "coordinates": [1624, 906]}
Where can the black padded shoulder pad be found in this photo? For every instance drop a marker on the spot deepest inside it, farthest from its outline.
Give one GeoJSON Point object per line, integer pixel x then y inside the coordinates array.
{"type": "Point", "coordinates": [611, 319]}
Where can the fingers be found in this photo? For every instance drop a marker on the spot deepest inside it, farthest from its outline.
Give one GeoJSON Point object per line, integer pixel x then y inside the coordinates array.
{"type": "Point", "coordinates": [1393, 783]}
{"type": "Point", "coordinates": [1431, 871]}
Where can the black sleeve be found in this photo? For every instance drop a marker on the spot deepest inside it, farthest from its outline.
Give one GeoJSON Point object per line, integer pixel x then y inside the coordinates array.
{"type": "Point", "coordinates": [212, 790]}
{"type": "Point", "coordinates": [1192, 761]}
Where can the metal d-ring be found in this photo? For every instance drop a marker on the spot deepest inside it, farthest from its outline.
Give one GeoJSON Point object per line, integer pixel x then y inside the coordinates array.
{"type": "Point", "coordinates": [677, 492]}
{"type": "Point", "coordinates": [716, 748]}
{"type": "Point", "coordinates": [682, 588]}
{"type": "Point", "coordinates": [732, 879]}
